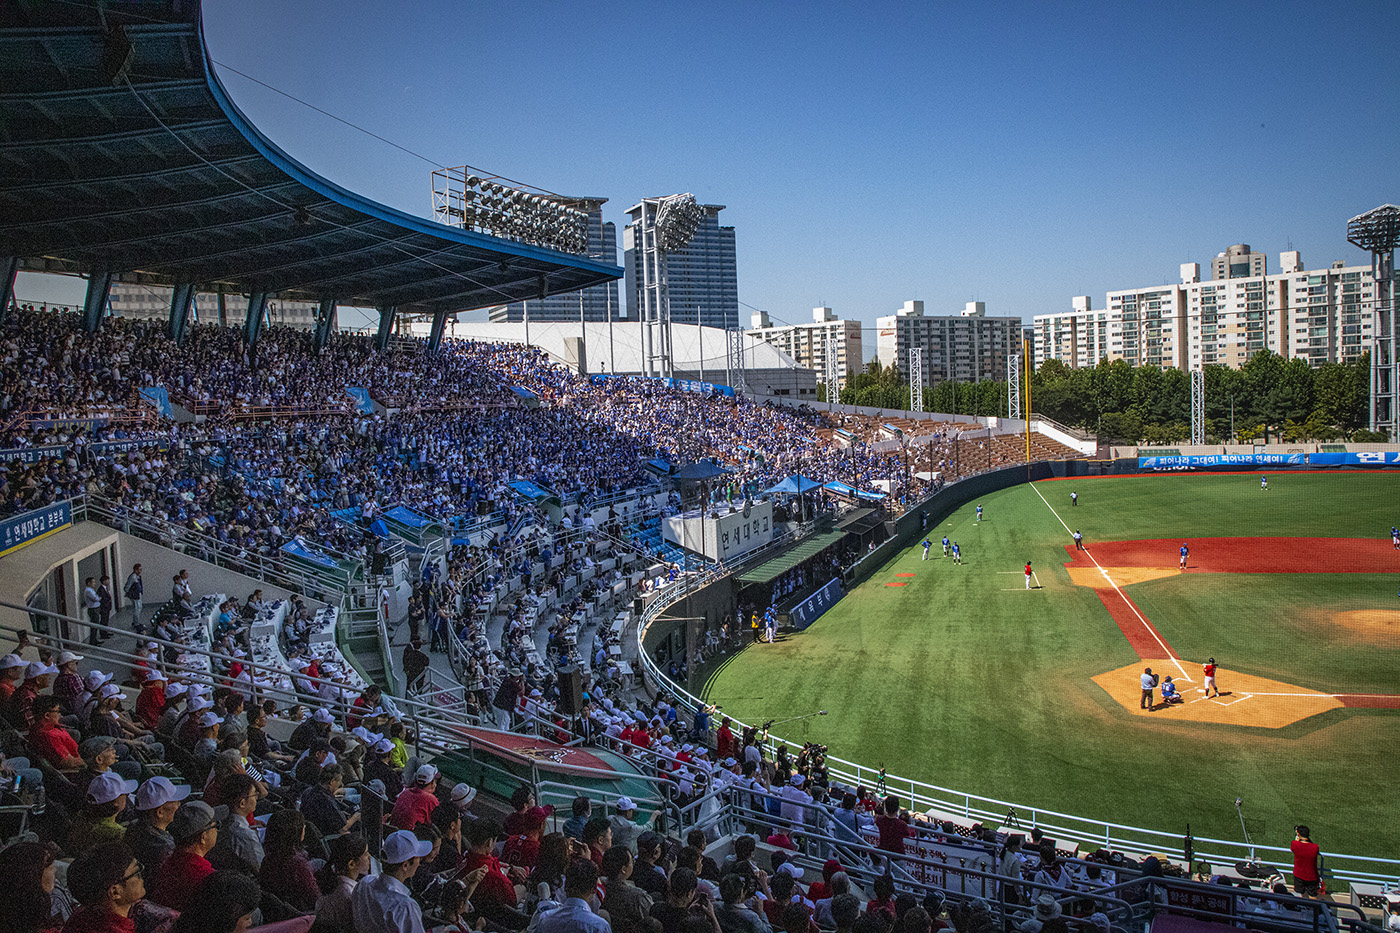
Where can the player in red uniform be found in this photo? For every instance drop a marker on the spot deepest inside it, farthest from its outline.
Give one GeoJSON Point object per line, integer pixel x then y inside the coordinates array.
{"type": "Point", "coordinates": [1209, 670]}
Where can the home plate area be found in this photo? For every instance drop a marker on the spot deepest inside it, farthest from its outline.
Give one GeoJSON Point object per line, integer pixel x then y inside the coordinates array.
{"type": "Point", "coordinates": [1245, 700]}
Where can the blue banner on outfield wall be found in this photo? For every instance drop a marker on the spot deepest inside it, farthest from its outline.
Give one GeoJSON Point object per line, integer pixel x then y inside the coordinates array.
{"type": "Point", "coordinates": [1206, 461]}
{"type": "Point", "coordinates": [1362, 458]}
{"type": "Point", "coordinates": [811, 608]}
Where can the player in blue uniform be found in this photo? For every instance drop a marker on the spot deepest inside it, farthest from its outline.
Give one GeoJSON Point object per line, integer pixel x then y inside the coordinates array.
{"type": "Point", "coordinates": [927, 544]}
{"type": "Point", "coordinates": [979, 513]}
{"type": "Point", "coordinates": [957, 553]}
{"type": "Point", "coordinates": [1263, 482]}
{"type": "Point", "coordinates": [1184, 552]}
{"type": "Point", "coordinates": [945, 545]}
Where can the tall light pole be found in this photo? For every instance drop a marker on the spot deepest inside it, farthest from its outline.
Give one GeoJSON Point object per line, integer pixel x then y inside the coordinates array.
{"type": "Point", "coordinates": [1378, 232]}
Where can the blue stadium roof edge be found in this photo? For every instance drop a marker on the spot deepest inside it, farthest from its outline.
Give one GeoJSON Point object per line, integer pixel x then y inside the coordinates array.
{"type": "Point", "coordinates": [122, 152]}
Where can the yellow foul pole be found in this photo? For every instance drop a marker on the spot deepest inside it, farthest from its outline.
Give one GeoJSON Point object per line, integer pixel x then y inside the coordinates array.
{"type": "Point", "coordinates": [1026, 368]}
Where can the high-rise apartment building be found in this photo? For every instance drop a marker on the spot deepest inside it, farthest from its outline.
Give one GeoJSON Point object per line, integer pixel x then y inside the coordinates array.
{"type": "Point", "coordinates": [1320, 315]}
{"type": "Point", "coordinates": [1238, 262]}
{"type": "Point", "coordinates": [593, 304]}
{"type": "Point", "coordinates": [152, 302]}
{"type": "Point", "coordinates": [963, 347]}
{"type": "Point", "coordinates": [808, 344]}
{"type": "Point", "coordinates": [702, 280]}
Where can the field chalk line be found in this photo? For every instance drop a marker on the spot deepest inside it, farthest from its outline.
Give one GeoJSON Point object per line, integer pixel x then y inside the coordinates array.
{"type": "Point", "coordinates": [1131, 605]}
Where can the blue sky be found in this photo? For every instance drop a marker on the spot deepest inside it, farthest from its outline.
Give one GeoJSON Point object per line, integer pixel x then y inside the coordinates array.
{"type": "Point", "coordinates": [1018, 154]}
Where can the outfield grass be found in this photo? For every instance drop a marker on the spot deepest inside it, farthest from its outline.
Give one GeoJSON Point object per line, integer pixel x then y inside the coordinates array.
{"type": "Point", "coordinates": [965, 680]}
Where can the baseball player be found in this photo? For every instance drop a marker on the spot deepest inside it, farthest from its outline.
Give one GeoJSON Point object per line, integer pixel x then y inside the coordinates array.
{"type": "Point", "coordinates": [927, 544]}
{"type": "Point", "coordinates": [1078, 540]}
{"type": "Point", "coordinates": [1073, 499]}
{"type": "Point", "coordinates": [1028, 574]}
{"type": "Point", "coordinates": [1208, 669]}
{"type": "Point", "coordinates": [979, 513]}
{"type": "Point", "coordinates": [1395, 537]}
{"type": "Point", "coordinates": [1185, 551]}
{"type": "Point", "coordinates": [945, 545]}
{"type": "Point", "coordinates": [957, 553]}
{"type": "Point", "coordinates": [1263, 482]}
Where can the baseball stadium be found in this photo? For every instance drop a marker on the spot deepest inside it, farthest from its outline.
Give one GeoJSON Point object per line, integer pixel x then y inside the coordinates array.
{"type": "Point", "coordinates": [440, 625]}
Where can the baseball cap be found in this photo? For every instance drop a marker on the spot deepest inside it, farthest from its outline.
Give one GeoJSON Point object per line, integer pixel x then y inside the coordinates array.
{"type": "Point", "coordinates": [109, 690]}
{"type": "Point", "coordinates": [38, 669]}
{"type": "Point", "coordinates": [383, 747]}
{"type": "Point", "coordinates": [95, 679]}
{"type": "Point", "coordinates": [174, 690]}
{"type": "Point", "coordinates": [200, 703]}
{"type": "Point", "coordinates": [11, 661]}
{"type": "Point", "coordinates": [209, 719]}
{"type": "Point", "coordinates": [108, 786]}
{"type": "Point", "coordinates": [158, 791]}
{"type": "Point", "coordinates": [796, 780]}
{"type": "Point", "coordinates": [154, 676]}
{"type": "Point", "coordinates": [730, 762]}
{"type": "Point", "coordinates": [463, 794]}
{"type": "Point", "coordinates": [788, 868]}
{"type": "Point", "coordinates": [193, 818]}
{"type": "Point", "coordinates": [68, 657]}
{"type": "Point", "coordinates": [425, 774]}
{"type": "Point", "coordinates": [624, 804]}
{"type": "Point", "coordinates": [402, 846]}
{"type": "Point", "coordinates": [322, 715]}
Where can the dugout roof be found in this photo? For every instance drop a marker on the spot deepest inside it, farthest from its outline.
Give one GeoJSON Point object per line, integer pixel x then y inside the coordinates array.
{"type": "Point", "coordinates": [771, 569]}
{"type": "Point", "coordinates": [120, 151]}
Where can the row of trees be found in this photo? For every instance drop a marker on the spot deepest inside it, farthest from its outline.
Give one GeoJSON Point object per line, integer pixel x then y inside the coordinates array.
{"type": "Point", "coordinates": [1269, 398]}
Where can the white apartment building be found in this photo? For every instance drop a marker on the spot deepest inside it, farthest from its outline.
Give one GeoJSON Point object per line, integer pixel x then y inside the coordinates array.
{"type": "Point", "coordinates": [1318, 315]}
{"type": "Point", "coordinates": [808, 343]}
{"type": "Point", "coordinates": [963, 347]}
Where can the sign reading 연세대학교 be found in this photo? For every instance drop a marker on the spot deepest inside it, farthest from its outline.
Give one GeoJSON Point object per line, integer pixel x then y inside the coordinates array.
{"type": "Point", "coordinates": [28, 527]}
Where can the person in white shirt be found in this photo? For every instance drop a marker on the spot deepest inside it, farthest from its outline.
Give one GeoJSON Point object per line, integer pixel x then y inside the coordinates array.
{"type": "Point", "coordinates": [382, 903]}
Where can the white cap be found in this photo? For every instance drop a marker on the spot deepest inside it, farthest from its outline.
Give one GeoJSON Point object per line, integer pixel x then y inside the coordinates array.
{"type": "Point", "coordinates": [174, 690]}
{"type": "Point", "coordinates": [96, 679]}
{"type": "Point", "coordinates": [402, 846]}
{"type": "Point", "coordinates": [788, 868]}
{"type": "Point", "coordinates": [11, 661]}
{"type": "Point", "coordinates": [38, 669]}
{"type": "Point", "coordinates": [536, 693]}
{"type": "Point", "coordinates": [200, 703]}
{"type": "Point", "coordinates": [209, 719]}
{"type": "Point", "coordinates": [797, 780]}
{"type": "Point", "coordinates": [322, 715]}
{"type": "Point", "coordinates": [110, 690]}
{"type": "Point", "coordinates": [625, 803]}
{"type": "Point", "coordinates": [154, 677]}
{"type": "Point", "coordinates": [463, 794]}
{"type": "Point", "coordinates": [67, 657]}
{"type": "Point", "coordinates": [108, 786]}
{"type": "Point", "coordinates": [159, 791]}
{"type": "Point", "coordinates": [383, 747]}
{"type": "Point", "coordinates": [425, 774]}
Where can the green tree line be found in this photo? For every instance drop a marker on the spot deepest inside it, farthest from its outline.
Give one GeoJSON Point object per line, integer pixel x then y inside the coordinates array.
{"type": "Point", "coordinates": [1269, 398]}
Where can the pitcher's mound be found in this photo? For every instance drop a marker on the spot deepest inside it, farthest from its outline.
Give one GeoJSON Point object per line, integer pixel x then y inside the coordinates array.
{"type": "Point", "coordinates": [1246, 700]}
{"type": "Point", "coordinates": [1381, 626]}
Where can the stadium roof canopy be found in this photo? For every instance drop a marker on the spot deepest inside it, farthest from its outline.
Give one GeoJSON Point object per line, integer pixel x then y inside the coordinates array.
{"type": "Point", "coordinates": [121, 152]}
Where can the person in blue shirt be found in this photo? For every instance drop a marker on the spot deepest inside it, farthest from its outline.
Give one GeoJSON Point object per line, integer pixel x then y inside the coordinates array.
{"type": "Point", "coordinates": [957, 553]}
{"type": "Point", "coordinates": [1169, 694]}
{"type": "Point", "coordinates": [1184, 552]}
{"type": "Point", "coordinates": [945, 545]}
{"type": "Point", "coordinates": [927, 544]}
{"type": "Point", "coordinates": [979, 513]}
{"type": "Point", "coordinates": [575, 914]}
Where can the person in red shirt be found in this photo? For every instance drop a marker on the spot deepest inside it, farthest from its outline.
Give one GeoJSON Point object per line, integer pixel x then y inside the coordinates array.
{"type": "Point", "coordinates": [107, 881]}
{"type": "Point", "coordinates": [195, 829]}
{"type": "Point", "coordinates": [893, 829]}
{"type": "Point", "coordinates": [524, 849]}
{"type": "Point", "coordinates": [1307, 881]}
{"type": "Point", "coordinates": [150, 703]}
{"type": "Point", "coordinates": [495, 894]}
{"type": "Point", "coordinates": [416, 803]}
{"type": "Point", "coordinates": [51, 741]}
{"type": "Point", "coordinates": [37, 675]}
{"type": "Point", "coordinates": [526, 814]}
{"type": "Point", "coordinates": [724, 741]}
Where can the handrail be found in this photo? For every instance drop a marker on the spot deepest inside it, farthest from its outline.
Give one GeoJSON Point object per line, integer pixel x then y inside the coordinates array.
{"type": "Point", "coordinates": [1369, 869]}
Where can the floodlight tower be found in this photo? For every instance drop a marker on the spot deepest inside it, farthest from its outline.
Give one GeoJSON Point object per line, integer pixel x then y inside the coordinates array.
{"type": "Point", "coordinates": [1198, 406]}
{"type": "Point", "coordinates": [1013, 384]}
{"type": "Point", "coordinates": [832, 371]}
{"type": "Point", "coordinates": [916, 378]}
{"type": "Point", "coordinates": [667, 225]}
{"type": "Point", "coordinates": [1378, 232]}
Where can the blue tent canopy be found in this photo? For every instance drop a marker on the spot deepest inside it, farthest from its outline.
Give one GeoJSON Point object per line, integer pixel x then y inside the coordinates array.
{"type": "Point", "coordinates": [705, 469]}
{"type": "Point", "coordinates": [794, 485]}
{"type": "Point", "coordinates": [850, 492]}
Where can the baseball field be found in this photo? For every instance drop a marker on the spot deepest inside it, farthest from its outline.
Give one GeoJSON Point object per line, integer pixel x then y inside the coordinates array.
{"type": "Point", "coordinates": [959, 676]}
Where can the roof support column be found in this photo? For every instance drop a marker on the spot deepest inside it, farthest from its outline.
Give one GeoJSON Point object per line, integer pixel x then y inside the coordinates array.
{"type": "Point", "coordinates": [9, 266]}
{"type": "Point", "coordinates": [386, 326]}
{"type": "Point", "coordinates": [325, 322]}
{"type": "Point", "coordinates": [99, 289]}
{"type": "Point", "coordinates": [180, 300]}
{"type": "Point", "coordinates": [435, 337]}
{"type": "Point", "coordinates": [257, 310]}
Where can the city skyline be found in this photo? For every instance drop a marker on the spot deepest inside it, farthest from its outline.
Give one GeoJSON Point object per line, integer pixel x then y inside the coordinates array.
{"type": "Point", "coordinates": [944, 155]}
